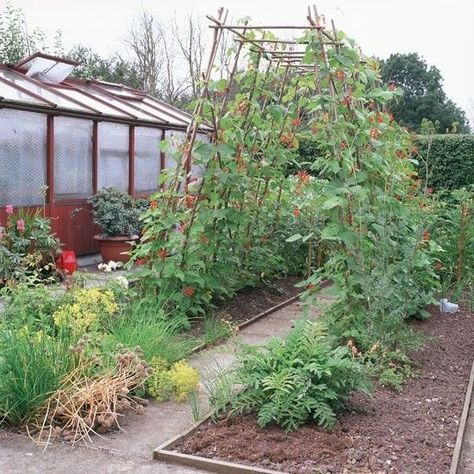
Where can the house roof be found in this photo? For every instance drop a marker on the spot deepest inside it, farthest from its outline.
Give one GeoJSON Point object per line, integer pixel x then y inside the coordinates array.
{"type": "Point", "coordinates": [40, 82]}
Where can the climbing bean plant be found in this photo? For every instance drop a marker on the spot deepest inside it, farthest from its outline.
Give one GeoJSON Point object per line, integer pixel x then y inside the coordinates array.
{"type": "Point", "coordinates": [208, 237]}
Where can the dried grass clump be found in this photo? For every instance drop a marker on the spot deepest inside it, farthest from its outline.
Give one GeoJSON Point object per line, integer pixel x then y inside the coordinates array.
{"type": "Point", "coordinates": [88, 403]}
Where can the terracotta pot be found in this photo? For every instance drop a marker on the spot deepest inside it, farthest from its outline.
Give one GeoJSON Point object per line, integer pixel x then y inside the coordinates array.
{"type": "Point", "coordinates": [113, 248]}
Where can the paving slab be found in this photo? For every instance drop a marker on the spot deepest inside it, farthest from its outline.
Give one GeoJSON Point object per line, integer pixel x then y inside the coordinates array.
{"type": "Point", "coordinates": [130, 450]}
{"type": "Point", "coordinates": [19, 455]}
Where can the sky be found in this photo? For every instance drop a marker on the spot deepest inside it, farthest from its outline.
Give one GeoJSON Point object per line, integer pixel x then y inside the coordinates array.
{"type": "Point", "coordinates": [441, 31]}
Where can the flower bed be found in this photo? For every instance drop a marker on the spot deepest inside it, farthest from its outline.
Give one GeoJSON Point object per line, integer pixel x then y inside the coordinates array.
{"type": "Point", "coordinates": [409, 431]}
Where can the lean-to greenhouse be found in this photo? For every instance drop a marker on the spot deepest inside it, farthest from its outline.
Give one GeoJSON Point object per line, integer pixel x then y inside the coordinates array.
{"type": "Point", "coordinates": [62, 139]}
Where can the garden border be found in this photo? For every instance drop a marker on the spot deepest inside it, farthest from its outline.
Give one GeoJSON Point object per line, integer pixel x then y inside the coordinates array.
{"type": "Point", "coordinates": [166, 453]}
{"type": "Point", "coordinates": [261, 315]}
{"type": "Point", "coordinates": [462, 425]}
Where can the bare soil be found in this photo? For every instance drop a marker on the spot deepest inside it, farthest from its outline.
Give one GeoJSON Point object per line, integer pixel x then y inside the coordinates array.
{"type": "Point", "coordinates": [251, 301]}
{"type": "Point", "coordinates": [413, 431]}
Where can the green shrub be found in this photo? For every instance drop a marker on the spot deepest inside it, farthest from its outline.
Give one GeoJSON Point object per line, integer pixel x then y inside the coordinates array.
{"type": "Point", "coordinates": [30, 306]}
{"type": "Point", "coordinates": [298, 379]}
{"type": "Point", "coordinates": [453, 229]}
{"type": "Point", "coordinates": [116, 212]}
{"type": "Point", "coordinates": [450, 160]}
{"type": "Point", "coordinates": [28, 248]}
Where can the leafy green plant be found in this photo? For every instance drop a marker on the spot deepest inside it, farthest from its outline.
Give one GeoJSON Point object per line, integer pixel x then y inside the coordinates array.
{"type": "Point", "coordinates": [215, 329]}
{"type": "Point", "coordinates": [116, 212]}
{"type": "Point", "coordinates": [296, 380]}
{"type": "Point", "coordinates": [145, 323]}
{"type": "Point", "coordinates": [29, 305]}
{"type": "Point", "coordinates": [85, 310]}
{"type": "Point", "coordinates": [28, 248]}
{"type": "Point", "coordinates": [177, 381]}
{"type": "Point", "coordinates": [391, 368]}
{"type": "Point", "coordinates": [453, 228]}
{"type": "Point", "coordinates": [32, 366]}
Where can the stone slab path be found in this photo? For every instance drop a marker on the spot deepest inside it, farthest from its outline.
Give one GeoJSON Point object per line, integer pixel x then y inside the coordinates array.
{"type": "Point", "coordinates": [130, 450]}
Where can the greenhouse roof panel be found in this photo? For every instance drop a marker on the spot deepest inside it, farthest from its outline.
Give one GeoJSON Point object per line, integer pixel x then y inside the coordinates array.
{"type": "Point", "coordinates": [42, 81]}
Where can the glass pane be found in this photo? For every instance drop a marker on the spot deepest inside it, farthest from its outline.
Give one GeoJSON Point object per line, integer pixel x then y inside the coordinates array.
{"type": "Point", "coordinates": [38, 89]}
{"type": "Point", "coordinates": [11, 93]}
{"type": "Point", "coordinates": [175, 139]}
{"type": "Point", "coordinates": [73, 157]}
{"type": "Point", "coordinates": [147, 158]}
{"type": "Point", "coordinates": [22, 157]}
{"type": "Point", "coordinates": [112, 166]}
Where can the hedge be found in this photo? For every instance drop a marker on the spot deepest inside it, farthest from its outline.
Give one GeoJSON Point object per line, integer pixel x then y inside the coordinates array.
{"type": "Point", "coordinates": [450, 161]}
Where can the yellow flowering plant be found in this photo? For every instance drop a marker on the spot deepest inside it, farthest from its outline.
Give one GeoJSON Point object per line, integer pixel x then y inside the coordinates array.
{"type": "Point", "coordinates": [177, 381]}
{"type": "Point", "coordinates": [87, 308]}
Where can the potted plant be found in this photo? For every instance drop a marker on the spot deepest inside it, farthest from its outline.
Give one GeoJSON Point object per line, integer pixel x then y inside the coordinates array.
{"type": "Point", "coordinates": [117, 214]}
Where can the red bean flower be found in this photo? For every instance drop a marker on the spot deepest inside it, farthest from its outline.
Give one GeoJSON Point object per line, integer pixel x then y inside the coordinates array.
{"type": "Point", "coordinates": [9, 209]}
{"type": "Point", "coordinates": [303, 176]}
{"type": "Point", "coordinates": [400, 154]}
{"type": "Point", "coordinates": [296, 212]}
{"type": "Point", "coordinates": [375, 133]}
{"type": "Point", "coordinates": [162, 253]}
{"type": "Point", "coordinates": [189, 291]}
{"type": "Point", "coordinates": [296, 122]}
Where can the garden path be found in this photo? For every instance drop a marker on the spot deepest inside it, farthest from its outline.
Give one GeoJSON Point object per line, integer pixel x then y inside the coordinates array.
{"type": "Point", "coordinates": [131, 450]}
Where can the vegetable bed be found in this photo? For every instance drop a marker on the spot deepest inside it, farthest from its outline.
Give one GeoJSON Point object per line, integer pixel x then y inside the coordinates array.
{"type": "Point", "coordinates": [410, 431]}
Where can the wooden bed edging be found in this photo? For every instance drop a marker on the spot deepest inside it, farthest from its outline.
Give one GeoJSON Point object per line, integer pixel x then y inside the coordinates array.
{"type": "Point", "coordinates": [261, 315]}
{"type": "Point", "coordinates": [165, 453]}
{"type": "Point", "coordinates": [462, 425]}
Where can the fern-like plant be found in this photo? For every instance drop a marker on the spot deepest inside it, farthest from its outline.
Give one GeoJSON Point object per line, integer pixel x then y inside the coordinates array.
{"type": "Point", "coordinates": [296, 380]}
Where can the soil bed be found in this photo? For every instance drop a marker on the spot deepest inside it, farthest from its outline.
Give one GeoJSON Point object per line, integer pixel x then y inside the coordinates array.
{"type": "Point", "coordinates": [251, 301]}
{"type": "Point", "coordinates": [412, 431]}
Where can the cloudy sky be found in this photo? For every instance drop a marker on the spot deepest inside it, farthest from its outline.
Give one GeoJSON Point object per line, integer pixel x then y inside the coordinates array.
{"type": "Point", "coordinates": [441, 31]}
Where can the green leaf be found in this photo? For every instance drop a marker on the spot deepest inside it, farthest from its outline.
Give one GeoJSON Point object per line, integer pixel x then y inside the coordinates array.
{"type": "Point", "coordinates": [333, 202]}
{"type": "Point", "coordinates": [226, 149]}
{"type": "Point", "coordinates": [294, 238]}
{"type": "Point", "coordinates": [277, 112]}
{"type": "Point", "coordinates": [164, 146]}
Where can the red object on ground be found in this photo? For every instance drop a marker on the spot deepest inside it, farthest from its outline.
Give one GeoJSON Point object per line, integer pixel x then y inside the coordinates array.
{"type": "Point", "coordinates": [67, 261]}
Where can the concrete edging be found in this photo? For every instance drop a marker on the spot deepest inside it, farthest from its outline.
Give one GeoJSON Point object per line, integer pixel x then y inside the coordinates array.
{"type": "Point", "coordinates": [166, 453]}
{"type": "Point", "coordinates": [462, 424]}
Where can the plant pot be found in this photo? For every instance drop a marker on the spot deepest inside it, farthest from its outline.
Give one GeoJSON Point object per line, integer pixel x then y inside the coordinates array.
{"type": "Point", "coordinates": [113, 248]}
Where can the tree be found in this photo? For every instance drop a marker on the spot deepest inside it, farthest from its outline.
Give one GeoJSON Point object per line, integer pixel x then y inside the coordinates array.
{"type": "Point", "coordinates": [112, 69]}
{"type": "Point", "coordinates": [16, 41]}
{"type": "Point", "coordinates": [423, 96]}
{"type": "Point", "coordinates": [190, 41]}
{"type": "Point", "coordinates": [168, 57]}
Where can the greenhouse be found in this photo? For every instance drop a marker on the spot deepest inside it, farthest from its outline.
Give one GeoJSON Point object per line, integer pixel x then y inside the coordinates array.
{"type": "Point", "coordinates": [62, 139]}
